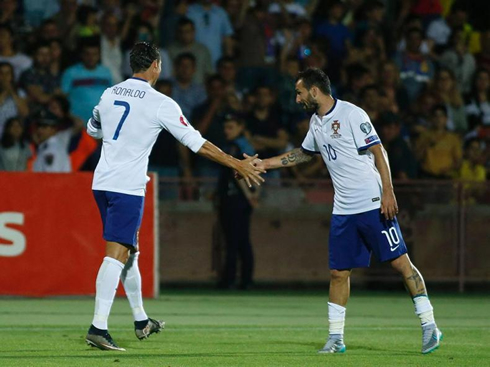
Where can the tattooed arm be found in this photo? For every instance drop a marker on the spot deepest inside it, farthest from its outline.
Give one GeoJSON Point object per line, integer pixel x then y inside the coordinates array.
{"type": "Point", "coordinates": [289, 159]}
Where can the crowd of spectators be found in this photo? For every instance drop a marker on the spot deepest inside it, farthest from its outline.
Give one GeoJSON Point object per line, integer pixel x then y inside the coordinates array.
{"type": "Point", "coordinates": [420, 69]}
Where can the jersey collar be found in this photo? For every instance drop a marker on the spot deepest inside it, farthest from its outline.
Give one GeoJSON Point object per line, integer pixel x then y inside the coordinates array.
{"type": "Point", "coordinates": [329, 111]}
{"type": "Point", "coordinates": [143, 80]}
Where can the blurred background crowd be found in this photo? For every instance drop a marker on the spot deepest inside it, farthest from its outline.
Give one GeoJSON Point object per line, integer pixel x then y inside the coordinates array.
{"type": "Point", "coordinates": [419, 68]}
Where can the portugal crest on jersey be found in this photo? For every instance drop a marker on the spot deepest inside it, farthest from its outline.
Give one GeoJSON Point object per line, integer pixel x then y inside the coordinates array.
{"type": "Point", "coordinates": [335, 129]}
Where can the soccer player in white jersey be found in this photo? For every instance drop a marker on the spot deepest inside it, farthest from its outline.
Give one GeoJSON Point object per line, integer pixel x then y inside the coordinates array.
{"type": "Point", "coordinates": [128, 119]}
{"type": "Point", "coordinates": [364, 213]}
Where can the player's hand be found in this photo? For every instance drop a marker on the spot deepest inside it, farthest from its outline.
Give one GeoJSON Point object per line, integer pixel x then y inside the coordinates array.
{"type": "Point", "coordinates": [259, 163]}
{"type": "Point", "coordinates": [249, 172]}
{"type": "Point", "coordinates": [389, 207]}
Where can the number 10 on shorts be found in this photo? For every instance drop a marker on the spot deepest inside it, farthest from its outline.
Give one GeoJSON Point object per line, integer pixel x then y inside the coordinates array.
{"type": "Point", "coordinates": [392, 237]}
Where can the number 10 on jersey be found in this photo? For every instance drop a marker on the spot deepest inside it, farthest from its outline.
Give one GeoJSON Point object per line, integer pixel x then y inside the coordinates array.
{"type": "Point", "coordinates": [332, 154]}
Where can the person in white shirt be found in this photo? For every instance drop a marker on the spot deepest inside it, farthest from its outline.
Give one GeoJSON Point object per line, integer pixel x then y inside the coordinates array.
{"type": "Point", "coordinates": [364, 214]}
{"type": "Point", "coordinates": [128, 119]}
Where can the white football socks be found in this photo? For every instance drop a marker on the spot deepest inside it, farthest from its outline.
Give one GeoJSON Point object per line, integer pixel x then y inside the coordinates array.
{"type": "Point", "coordinates": [106, 287]}
{"type": "Point", "coordinates": [424, 310]}
{"type": "Point", "coordinates": [131, 279]}
{"type": "Point", "coordinates": [336, 319]}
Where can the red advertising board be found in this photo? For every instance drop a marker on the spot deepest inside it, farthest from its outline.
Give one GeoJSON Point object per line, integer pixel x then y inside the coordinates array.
{"type": "Point", "coordinates": [51, 236]}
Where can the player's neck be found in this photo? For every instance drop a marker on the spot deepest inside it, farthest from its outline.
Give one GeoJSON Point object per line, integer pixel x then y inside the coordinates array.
{"type": "Point", "coordinates": [143, 76]}
{"type": "Point", "coordinates": [325, 105]}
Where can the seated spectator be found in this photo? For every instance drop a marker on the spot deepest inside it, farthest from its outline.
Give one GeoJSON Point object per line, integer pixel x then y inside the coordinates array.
{"type": "Point", "coordinates": [392, 92]}
{"type": "Point", "coordinates": [483, 57]}
{"type": "Point", "coordinates": [14, 149]}
{"type": "Point", "coordinates": [459, 61]}
{"type": "Point", "coordinates": [357, 78]}
{"type": "Point", "coordinates": [402, 162]}
{"type": "Point", "coordinates": [414, 22]}
{"type": "Point", "coordinates": [213, 28]}
{"type": "Point", "coordinates": [264, 126]}
{"type": "Point", "coordinates": [416, 69]}
{"type": "Point", "coordinates": [446, 92]}
{"type": "Point", "coordinates": [478, 101]}
{"type": "Point", "coordinates": [49, 31]}
{"type": "Point", "coordinates": [421, 114]}
{"type": "Point", "coordinates": [437, 149]}
{"type": "Point", "coordinates": [226, 69]}
{"type": "Point", "coordinates": [187, 93]}
{"type": "Point", "coordinates": [51, 155]}
{"type": "Point", "coordinates": [19, 61]}
{"type": "Point", "coordinates": [369, 98]}
{"type": "Point", "coordinates": [186, 43]}
{"type": "Point", "coordinates": [85, 82]}
{"type": "Point", "coordinates": [38, 81]}
{"type": "Point", "coordinates": [472, 168]}
{"type": "Point", "coordinates": [12, 100]}
{"type": "Point", "coordinates": [145, 33]}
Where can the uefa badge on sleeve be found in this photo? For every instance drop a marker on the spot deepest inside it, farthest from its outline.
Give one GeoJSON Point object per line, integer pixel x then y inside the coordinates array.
{"type": "Point", "coordinates": [366, 127]}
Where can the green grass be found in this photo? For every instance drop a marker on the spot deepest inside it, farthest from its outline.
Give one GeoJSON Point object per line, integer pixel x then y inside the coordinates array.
{"type": "Point", "coordinates": [246, 329]}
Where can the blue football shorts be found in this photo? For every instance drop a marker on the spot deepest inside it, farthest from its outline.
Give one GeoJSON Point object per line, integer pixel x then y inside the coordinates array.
{"type": "Point", "coordinates": [353, 238]}
{"type": "Point", "coordinates": [121, 216]}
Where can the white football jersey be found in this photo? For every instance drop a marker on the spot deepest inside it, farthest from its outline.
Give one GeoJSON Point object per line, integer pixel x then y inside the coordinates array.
{"type": "Point", "coordinates": [342, 137]}
{"type": "Point", "coordinates": [128, 118]}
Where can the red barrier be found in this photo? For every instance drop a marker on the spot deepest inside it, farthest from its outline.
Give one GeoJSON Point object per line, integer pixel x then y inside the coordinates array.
{"type": "Point", "coordinates": [51, 236]}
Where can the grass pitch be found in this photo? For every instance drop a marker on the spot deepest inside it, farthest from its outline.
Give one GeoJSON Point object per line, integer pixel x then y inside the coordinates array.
{"type": "Point", "coordinates": [246, 329]}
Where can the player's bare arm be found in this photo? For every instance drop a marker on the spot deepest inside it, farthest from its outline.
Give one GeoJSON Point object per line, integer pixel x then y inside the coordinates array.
{"type": "Point", "coordinates": [244, 168]}
{"type": "Point", "coordinates": [289, 159]}
{"type": "Point", "coordinates": [389, 207]}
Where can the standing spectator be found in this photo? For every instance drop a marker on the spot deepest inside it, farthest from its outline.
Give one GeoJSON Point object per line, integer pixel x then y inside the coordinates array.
{"type": "Point", "coordinates": [416, 69]}
{"type": "Point", "coordinates": [401, 158]}
{"type": "Point", "coordinates": [235, 204]}
{"type": "Point", "coordinates": [67, 22]}
{"type": "Point", "coordinates": [264, 125]}
{"type": "Point", "coordinates": [437, 149]}
{"type": "Point", "coordinates": [12, 102]}
{"type": "Point", "coordinates": [186, 43]}
{"type": "Point", "coordinates": [213, 28]}
{"type": "Point", "coordinates": [52, 155]}
{"type": "Point", "coordinates": [459, 61]}
{"type": "Point", "coordinates": [85, 82]}
{"type": "Point", "coordinates": [478, 101]}
{"type": "Point", "coordinates": [14, 149]}
{"type": "Point", "coordinates": [38, 81]}
{"type": "Point", "coordinates": [187, 93]}
{"type": "Point", "coordinates": [253, 39]}
{"type": "Point", "coordinates": [110, 46]}
{"type": "Point", "coordinates": [446, 92]}
{"type": "Point", "coordinates": [19, 61]}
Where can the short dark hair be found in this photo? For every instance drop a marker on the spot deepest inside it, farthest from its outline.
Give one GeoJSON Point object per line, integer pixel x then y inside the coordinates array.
{"type": "Point", "coordinates": [142, 56]}
{"type": "Point", "coordinates": [185, 21]}
{"type": "Point", "coordinates": [183, 56]}
{"type": "Point", "coordinates": [439, 107]}
{"type": "Point", "coordinates": [224, 60]}
{"type": "Point", "coordinates": [315, 77]}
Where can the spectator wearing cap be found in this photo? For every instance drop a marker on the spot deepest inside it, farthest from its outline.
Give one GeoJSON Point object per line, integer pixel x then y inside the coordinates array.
{"type": "Point", "coordinates": [186, 43]}
{"type": "Point", "coordinates": [51, 155]}
{"type": "Point", "coordinates": [437, 149]}
{"type": "Point", "coordinates": [12, 102]}
{"type": "Point", "coordinates": [213, 28]}
{"type": "Point", "coordinates": [403, 165]}
{"type": "Point", "coordinates": [14, 149]}
{"type": "Point", "coordinates": [19, 61]}
{"type": "Point", "coordinates": [38, 81]}
{"type": "Point", "coordinates": [85, 82]}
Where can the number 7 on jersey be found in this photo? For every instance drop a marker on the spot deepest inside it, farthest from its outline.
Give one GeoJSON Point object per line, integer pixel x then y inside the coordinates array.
{"type": "Point", "coordinates": [123, 118]}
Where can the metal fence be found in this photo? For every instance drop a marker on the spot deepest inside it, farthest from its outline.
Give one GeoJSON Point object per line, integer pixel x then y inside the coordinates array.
{"type": "Point", "coordinates": [446, 226]}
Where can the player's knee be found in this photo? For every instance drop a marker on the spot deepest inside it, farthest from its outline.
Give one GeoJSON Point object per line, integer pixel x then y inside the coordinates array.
{"type": "Point", "coordinates": [339, 275]}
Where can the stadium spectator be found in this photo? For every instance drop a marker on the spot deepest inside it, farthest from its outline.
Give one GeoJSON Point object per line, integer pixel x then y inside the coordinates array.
{"type": "Point", "coordinates": [111, 54]}
{"type": "Point", "coordinates": [401, 158]}
{"type": "Point", "coordinates": [446, 92]}
{"type": "Point", "coordinates": [88, 25]}
{"type": "Point", "coordinates": [472, 168]}
{"type": "Point", "coordinates": [265, 128]}
{"type": "Point", "coordinates": [35, 11]}
{"type": "Point", "coordinates": [459, 61]}
{"type": "Point", "coordinates": [358, 77]}
{"type": "Point", "coordinates": [213, 28]}
{"type": "Point", "coordinates": [85, 82]}
{"type": "Point", "coordinates": [437, 149]}
{"type": "Point", "coordinates": [392, 91]}
{"type": "Point", "coordinates": [287, 92]}
{"type": "Point", "coordinates": [478, 101]}
{"type": "Point", "coordinates": [38, 82]}
{"type": "Point", "coordinates": [67, 22]}
{"type": "Point", "coordinates": [12, 102]}
{"type": "Point", "coordinates": [14, 148]}
{"type": "Point", "coordinates": [414, 22]}
{"type": "Point", "coordinates": [10, 16]}
{"type": "Point", "coordinates": [226, 68]}
{"type": "Point", "coordinates": [49, 30]}
{"type": "Point", "coordinates": [19, 61]}
{"type": "Point", "coordinates": [253, 38]}
{"type": "Point", "coordinates": [287, 10]}
{"type": "Point", "coordinates": [369, 98]}
{"type": "Point", "coordinates": [416, 69]}
{"type": "Point", "coordinates": [186, 43]}
{"type": "Point", "coordinates": [419, 119]}
{"type": "Point", "coordinates": [185, 91]}
{"type": "Point", "coordinates": [483, 57]}
{"type": "Point", "coordinates": [51, 155]}
{"type": "Point", "coordinates": [235, 205]}
{"type": "Point", "coordinates": [58, 59]}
